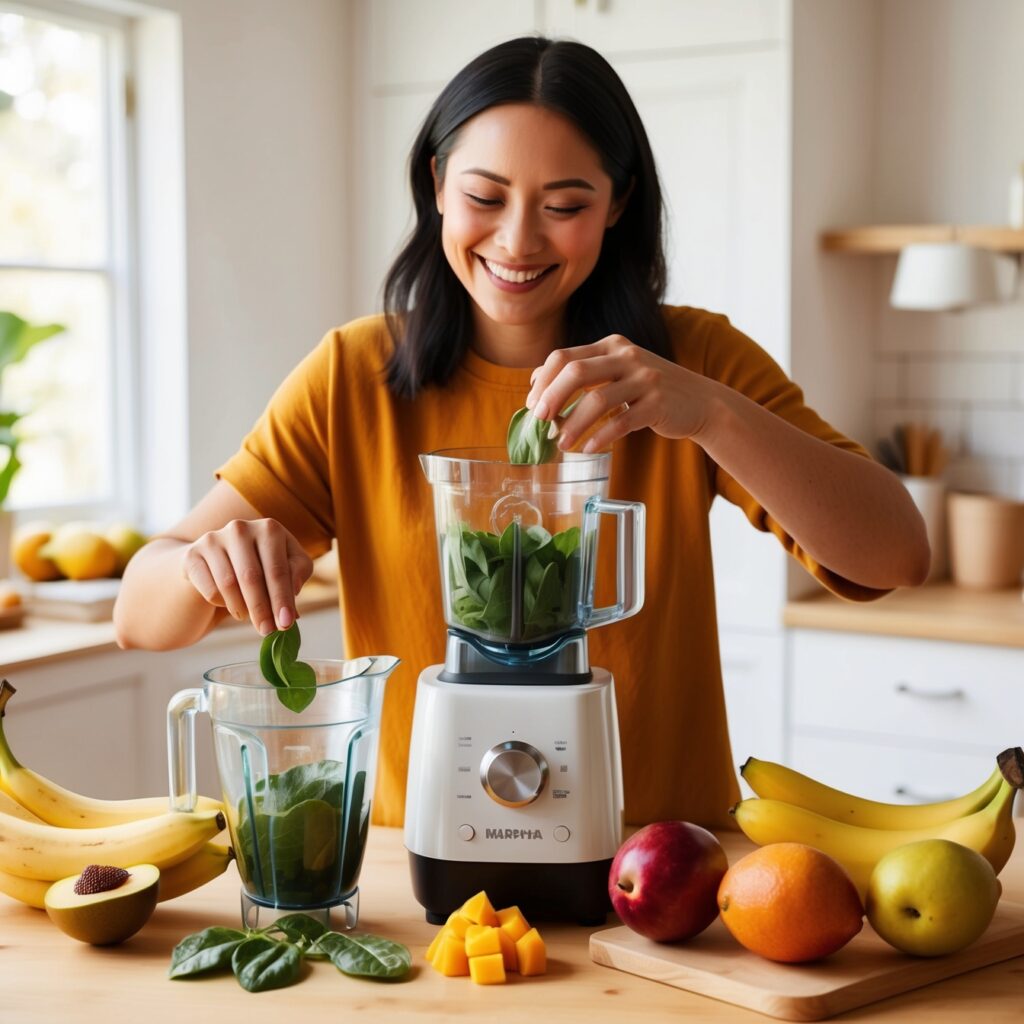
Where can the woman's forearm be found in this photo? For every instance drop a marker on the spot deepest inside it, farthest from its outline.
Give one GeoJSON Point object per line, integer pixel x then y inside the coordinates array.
{"type": "Point", "coordinates": [848, 513]}
{"type": "Point", "coordinates": [157, 608]}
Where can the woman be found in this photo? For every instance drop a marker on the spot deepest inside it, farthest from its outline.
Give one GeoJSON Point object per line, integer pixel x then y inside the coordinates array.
{"type": "Point", "coordinates": [535, 269]}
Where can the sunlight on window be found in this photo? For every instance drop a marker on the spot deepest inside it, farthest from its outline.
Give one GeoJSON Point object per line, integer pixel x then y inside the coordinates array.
{"type": "Point", "coordinates": [54, 228]}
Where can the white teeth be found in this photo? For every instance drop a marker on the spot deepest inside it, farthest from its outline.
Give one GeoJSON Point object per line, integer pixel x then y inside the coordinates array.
{"type": "Point", "coordinates": [513, 276]}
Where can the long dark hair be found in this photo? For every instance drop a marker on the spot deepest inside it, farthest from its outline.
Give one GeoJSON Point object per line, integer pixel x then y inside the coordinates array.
{"type": "Point", "coordinates": [427, 307]}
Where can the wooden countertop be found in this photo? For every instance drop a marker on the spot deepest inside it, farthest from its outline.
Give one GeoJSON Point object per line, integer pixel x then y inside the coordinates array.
{"type": "Point", "coordinates": [939, 611]}
{"type": "Point", "coordinates": [40, 640]}
{"type": "Point", "coordinates": [49, 977]}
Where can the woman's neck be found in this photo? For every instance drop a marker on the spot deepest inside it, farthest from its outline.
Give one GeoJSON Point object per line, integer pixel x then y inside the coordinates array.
{"type": "Point", "coordinates": [517, 345]}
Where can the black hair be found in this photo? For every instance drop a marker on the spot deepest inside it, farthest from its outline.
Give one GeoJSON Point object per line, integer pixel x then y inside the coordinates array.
{"type": "Point", "coordinates": [428, 309]}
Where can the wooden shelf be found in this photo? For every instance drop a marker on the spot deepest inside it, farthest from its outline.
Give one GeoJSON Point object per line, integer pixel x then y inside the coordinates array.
{"type": "Point", "coordinates": [890, 238]}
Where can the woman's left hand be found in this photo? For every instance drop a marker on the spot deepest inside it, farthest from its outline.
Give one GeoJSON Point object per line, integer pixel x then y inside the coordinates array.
{"type": "Point", "coordinates": [615, 373]}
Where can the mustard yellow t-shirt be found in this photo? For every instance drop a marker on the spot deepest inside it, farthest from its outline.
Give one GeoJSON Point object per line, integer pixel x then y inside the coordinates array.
{"type": "Point", "coordinates": [335, 455]}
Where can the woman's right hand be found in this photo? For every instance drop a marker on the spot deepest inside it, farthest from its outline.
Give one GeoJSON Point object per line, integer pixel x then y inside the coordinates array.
{"type": "Point", "coordinates": [253, 568]}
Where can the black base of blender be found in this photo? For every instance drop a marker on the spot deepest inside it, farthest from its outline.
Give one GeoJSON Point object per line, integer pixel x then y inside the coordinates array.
{"type": "Point", "coordinates": [551, 892]}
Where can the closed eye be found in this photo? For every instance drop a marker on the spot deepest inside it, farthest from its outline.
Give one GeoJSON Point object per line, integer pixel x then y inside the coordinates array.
{"type": "Point", "coordinates": [497, 202]}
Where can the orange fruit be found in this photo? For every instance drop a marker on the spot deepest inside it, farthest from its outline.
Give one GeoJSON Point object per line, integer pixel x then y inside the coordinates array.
{"type": "Point", "coordinates": [790, 902]}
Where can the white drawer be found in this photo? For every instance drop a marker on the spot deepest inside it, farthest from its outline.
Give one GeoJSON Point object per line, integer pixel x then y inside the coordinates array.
{"type": "Point", "coordinates": [930, 691]}
{"type": "Point", "coordinates": [881, 771]}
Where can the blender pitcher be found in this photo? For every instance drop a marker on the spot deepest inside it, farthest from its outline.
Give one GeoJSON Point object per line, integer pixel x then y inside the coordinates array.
{"type": "Point", "coordinates": [297, 786]}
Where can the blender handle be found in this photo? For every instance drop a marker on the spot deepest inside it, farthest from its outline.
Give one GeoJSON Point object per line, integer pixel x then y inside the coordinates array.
{"type": "Point", "coordinates": [629, 572]}
{"type": "Point", "coordinates": [181, 747]}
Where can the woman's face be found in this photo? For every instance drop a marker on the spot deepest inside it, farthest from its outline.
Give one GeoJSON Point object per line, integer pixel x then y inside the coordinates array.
{"type": "Point", "coordinates": [524, 207]}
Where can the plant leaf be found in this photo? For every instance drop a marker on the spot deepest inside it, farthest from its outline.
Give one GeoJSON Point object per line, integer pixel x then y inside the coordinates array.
{"type": "Point", "coordinates": [298, 928]}
{"type": "Point", "coordinates": [267, 661]}
{"type": "Point", "coordinates": [369, 956]}
{"type": "Point", "coordinates": [208, 950]}
{"type": "Point", "coordinates": [18, 337]}
{"type": "Point", "coordinates": [261, 963]}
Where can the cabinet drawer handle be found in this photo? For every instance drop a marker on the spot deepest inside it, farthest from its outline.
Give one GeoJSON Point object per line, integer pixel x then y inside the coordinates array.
{"type": "Point", "coordinates": [912, 691]}
{"type": "Point", "coordinates": [920, 798]}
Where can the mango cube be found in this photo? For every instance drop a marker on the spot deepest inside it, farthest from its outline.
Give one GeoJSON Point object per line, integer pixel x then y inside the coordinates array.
{"type": "Point", "coordinates": [482, 940]}
{"type": "Point", "coordinates": [433, 947]}
{"type": "Point", "coordinates": [479, 910]}
{"type": "Point", "coordinates": [457, 923]}
{"type": "Point", "coordinates": [487, 970]}
{"type": "Point", "coordinates": [508, 950]}
{"type": "Point", "coordinates": [532, 954]}
{"type": "Point", "coordinates": [450, 958]}
{"type": "Point", "coordinates": [513, 923]}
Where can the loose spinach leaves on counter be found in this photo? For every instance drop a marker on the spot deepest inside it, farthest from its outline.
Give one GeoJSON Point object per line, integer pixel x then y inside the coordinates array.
{"type": "Point", "coordinates": [480, 578]}
{"type": "Point", "coordinates": [294, 679]}
{"type": "Point", "coordinates": [271, 957]}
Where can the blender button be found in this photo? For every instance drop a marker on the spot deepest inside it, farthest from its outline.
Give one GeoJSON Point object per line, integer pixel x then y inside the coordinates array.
{"type": "Point", "coordinates": [561, 834]}
{"type": "Point", "coordinates": [467, 832]}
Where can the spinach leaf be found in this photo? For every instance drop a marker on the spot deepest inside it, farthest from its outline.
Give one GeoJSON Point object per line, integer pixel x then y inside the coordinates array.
{"type": "Point", "coordinates": [366, 955]}
{"type": "Point", "coordinates": [261, 964]}
{"type": "Point", "coordinates": [295, 680]}
{"type": "Point", "coordinates": [532, 441]}
{"type": "Point", "coordinates": [298, 928]}
{"type": "Point", "coordinates": [208, 950]}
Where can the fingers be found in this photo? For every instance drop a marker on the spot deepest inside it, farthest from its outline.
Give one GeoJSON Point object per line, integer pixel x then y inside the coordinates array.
{"type": "Point", "coordinates": [568, 370]}
{"type": "Point", "coordinates": [252, 568]}
{"type": "Point", "coordinates": [638, 414]}
{"type": "Point", "coordinates": [610, 398]}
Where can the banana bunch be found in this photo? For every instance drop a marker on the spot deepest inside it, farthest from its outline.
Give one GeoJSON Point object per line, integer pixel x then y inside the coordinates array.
{"type": "Point", "coordinates": [793, 808]}
{"type": "Point", "coordinates": [48, 833]}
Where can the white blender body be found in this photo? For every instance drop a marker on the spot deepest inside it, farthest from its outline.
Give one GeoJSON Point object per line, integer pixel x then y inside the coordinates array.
{"type": "Point", "coordinates": [515, 775]}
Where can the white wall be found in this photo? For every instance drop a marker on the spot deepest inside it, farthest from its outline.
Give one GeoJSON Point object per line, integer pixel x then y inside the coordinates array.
{"type": "Point", "coordinates": [950, 133]}
{"type": "Point", "coordinates": [266, 179]}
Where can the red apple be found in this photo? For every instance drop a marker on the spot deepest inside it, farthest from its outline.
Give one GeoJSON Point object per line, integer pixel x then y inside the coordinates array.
{"type": "Point", "coordinates": [664, 880]}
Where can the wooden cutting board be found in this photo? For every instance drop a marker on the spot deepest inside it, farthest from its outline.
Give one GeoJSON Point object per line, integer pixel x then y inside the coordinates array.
{"type": "Point", "coordinates": [865, 970]}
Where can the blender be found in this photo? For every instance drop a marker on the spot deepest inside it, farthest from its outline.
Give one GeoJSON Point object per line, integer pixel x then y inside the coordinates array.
{"type": "Point", "coordinates": [297, 786]}
{"type": "Point", "coordinates": [515, 776]}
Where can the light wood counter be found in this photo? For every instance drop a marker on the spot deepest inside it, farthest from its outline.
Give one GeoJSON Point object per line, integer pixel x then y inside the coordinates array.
{"type": "Point", "coordinates": [939, 611]}
{"type": "Point", "coordinates": [49, 977]}
{"type": "Point", "coordinates": [40, 640]}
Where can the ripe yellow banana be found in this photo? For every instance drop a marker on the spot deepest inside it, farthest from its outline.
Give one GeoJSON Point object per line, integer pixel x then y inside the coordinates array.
{"type": "Point", "coordinates": [777, 782]}
{"type": "Point", "coordinates": [211, 860]}
{"type": "Point", "coordinates": [58, 806]}
{"type": "Point", "coordinates": [27, 890]}
{"type": "Point", "coordinates": [990, 831]}
{"type": "Point", "coordinates": [48, 852]}
{"type": "Point", "coordinates": [8, 805]}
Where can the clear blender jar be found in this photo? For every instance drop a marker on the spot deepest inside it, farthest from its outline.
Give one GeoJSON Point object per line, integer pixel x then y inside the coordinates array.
{"type": "Point", "coordinates": [517, 548]}
{"type": "Point", "coordinates": [297, 786]}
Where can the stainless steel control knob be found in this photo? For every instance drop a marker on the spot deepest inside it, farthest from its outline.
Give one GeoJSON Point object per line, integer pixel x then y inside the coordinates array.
{"type": "Point", "coordinates": [513, 773]}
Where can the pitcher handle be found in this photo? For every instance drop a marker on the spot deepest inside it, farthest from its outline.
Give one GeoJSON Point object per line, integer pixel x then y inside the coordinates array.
{"type": "Point", "coordinates": [181, 747]}
{"type": "Point", "coordinates": [629, 571]}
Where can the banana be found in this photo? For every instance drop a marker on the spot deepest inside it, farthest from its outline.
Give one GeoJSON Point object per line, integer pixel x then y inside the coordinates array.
{"type": "Point", "coordinates": [10, 806]}
{"type": "Point", "coordinates": [211, 860]}
{"type": "Point", "coordinates": [990, 831]}
{"type": "Point", "coordinates": [777, 782]}
{"type": "Point", "coordinates": [58, 806]}
{"type": "Point", "coordinates": [27, 890]}
{"type": "Point", "coordinates": [49, 852]}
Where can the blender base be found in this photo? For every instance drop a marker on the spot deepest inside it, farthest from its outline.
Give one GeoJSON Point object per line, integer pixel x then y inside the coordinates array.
{"type": "Point", "coordinates": [552, 892]}
{"type": "Point", "coordinates": [252, 911]}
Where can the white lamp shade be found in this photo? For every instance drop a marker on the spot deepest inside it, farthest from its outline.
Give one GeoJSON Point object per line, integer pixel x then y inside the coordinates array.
{"type": "Point", "coordinates": [943, 276]}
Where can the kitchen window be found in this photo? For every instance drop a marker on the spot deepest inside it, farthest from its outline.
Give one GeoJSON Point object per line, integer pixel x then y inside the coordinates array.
{"type": "Point", "coordinates": [66, 226]}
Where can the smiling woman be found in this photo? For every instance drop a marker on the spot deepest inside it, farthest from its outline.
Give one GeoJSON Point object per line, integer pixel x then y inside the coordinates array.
{"type": "Point", "coordinates": [534, 270]}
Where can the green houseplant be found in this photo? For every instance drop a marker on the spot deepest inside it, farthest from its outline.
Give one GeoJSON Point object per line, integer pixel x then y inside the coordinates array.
{"type": "Point", "coordinates": [17, 339]}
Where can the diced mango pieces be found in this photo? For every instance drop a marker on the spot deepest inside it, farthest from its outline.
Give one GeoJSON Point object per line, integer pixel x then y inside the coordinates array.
{"type": "Point", "coordinates": [479, 910]}
{"type": "Point", "coordinates": [450, 958]}
{"type": "Point", "coordinates": [432, 948]}
{"type": "Point", "coordinates": [457, 923]}
{"type": "Point", "coordinates": [487, 944]}
{"type": "Point", "coordinates": [482, 940]}
{"type": "Point", "coordinates": [532, 954]}
{"type": "Point", "coordinates": [508, 950]}
{"type": "Point", "coordinates": [513, 923]}
{"type": "Point", "coordinates": [487, 970]}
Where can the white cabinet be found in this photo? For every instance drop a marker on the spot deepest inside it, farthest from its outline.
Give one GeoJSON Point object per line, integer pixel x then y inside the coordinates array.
{"type": "Point", "coordinates": [97, 724]}
{"type": "Point", "coordinates": [900, 719]}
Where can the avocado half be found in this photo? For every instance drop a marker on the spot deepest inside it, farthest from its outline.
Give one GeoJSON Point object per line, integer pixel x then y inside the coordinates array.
{"type": "Point", "coordinates": [103, 918]}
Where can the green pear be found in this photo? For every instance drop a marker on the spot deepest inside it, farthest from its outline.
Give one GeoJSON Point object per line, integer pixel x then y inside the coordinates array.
{"type": "Point", "coordinates": [125, 540]}
{"type": "Point", "coordinates": [932, 897]}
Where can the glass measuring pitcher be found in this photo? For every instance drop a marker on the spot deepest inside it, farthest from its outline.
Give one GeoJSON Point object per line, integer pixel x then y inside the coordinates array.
{"type": "Point", "coordinates": [297, 786]}
{"type": "Point", "coordinates": [518, 544]}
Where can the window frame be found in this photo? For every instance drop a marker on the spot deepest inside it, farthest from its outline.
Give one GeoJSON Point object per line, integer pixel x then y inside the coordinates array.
{"type": "Point", "coordinates": [118, 271]}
